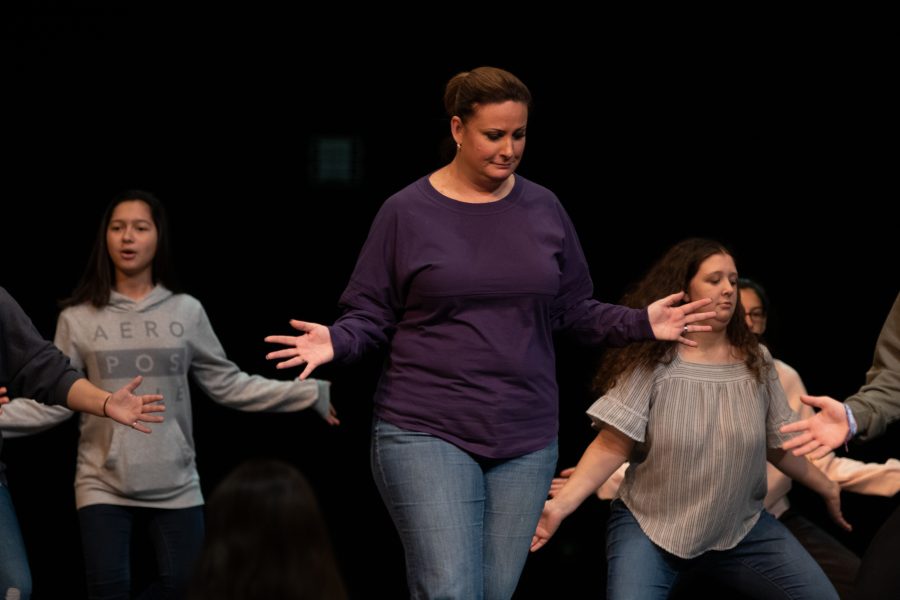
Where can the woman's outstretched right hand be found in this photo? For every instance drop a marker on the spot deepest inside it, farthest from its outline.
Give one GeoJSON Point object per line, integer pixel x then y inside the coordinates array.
{"type": "Point", "coordinates": [547, 526]}
{"type": "Point", "coordinates": [312, 347]}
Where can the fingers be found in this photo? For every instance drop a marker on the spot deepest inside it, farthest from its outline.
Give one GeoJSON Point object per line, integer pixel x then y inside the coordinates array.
{"type": "Point", "coordinates": [556, 485]}
{"type": "Point", "coordinates": [819, 452]}
{"type": "Point", "coordinates": [795, 426]}
{"type": "Point", "coordinates": [693, 317]}
{"type": "Point", "coordinates": [683, 340]}
{"type": "Point", "coordinates": [283, 353]}
{"type": "Point", "coordinates": [151, 418]}
{"type": "Point", "coordinates": [692, 306]}
{"type": "Point", "coordinates": [797, 441]}
{"type": "Point", "coordinates": [537, 543]}
{"type": "Point", "coordinates": [139, 427]}
{"type": "Point", "coordinates": [806, 448]}
{"type": "Point", "coordinates": [310, 367]}
{"type": "Point", "coordinates": [287, 340]}
{"type": "Point", "coordinates": [302, 325]}
{"type": "Point", "coordinates": [840, 520]}
{"type": "Point", "coordinates": [818, 401]}
{"type": "Point", "coordinates": [134, 383]}
{"type": "Point", "coordinates": [834, 508]}
{"type": "Point", "coordinates": [672, 298]}
{"type": "Point", "coordinates": [567, 472]}
{"type": "Point", "coordinates": [151, 406]}
{"type": "Point", "coordinates": [294, 362]}
{"type": "Point", "coordinates": [332, 418]}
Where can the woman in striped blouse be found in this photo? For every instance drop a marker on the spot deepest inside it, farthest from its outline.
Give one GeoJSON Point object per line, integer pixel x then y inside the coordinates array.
{"type": "Point", "coordinates": [698, 424]}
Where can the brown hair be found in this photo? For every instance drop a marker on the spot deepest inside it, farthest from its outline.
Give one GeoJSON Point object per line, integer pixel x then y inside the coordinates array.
{"type": "Point", "coordinates": [484, 85]}
{"type": "Point", "coordinates": [673, 273]}
{"type": "Point", "coordinates": [266, 538]}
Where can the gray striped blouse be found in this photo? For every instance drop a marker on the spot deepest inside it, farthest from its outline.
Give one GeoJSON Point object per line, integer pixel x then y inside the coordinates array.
{"type": "Point", "coordinates": [698, 470]}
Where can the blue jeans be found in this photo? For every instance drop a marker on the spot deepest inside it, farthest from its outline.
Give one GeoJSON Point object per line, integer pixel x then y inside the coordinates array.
{"type": "Point", "coordinates": [465, 521]}
{"type": "Point", "coordinates": [14, 572]}
{"type": "Point", "coordinates": [768, 563]}
{"type": "Point", "coordinates": [177, 536]}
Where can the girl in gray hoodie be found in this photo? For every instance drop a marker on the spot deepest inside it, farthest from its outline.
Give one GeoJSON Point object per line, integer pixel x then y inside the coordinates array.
{"type": "Point", "coordinates": [124, 319]}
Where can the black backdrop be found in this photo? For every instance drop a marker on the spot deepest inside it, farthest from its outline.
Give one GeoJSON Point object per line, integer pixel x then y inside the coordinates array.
{"type": "Point", "coordinates": [777, 150]}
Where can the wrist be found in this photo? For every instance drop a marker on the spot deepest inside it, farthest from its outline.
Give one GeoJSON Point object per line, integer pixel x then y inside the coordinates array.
{"type": "Point", "coordinates": [564, 505]}
{"type": "Point", "coordinates": [105, 402]}
{"type": "Point", "coordinates": [852, 427]}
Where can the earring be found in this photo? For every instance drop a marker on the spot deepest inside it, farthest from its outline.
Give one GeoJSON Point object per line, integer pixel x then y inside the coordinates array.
{"type": "Point", "coordinates": [458, 146]}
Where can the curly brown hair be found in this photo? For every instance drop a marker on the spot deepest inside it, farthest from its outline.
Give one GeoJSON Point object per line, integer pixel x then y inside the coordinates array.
{"type": "Point", "coordinates": [670, 274]}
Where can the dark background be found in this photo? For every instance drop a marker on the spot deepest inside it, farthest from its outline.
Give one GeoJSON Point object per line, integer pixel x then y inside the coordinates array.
{"type": "Point", "coordinates": [775, 145]}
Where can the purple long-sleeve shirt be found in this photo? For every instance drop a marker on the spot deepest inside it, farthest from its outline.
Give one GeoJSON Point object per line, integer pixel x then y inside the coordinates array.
{"type": "Point", "coordinates": [469, 296]}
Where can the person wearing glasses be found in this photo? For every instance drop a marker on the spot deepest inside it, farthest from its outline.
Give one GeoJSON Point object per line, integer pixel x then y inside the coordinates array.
{"type": "Point", "coordinates": [839, 563]}
{"type": "Point", "coordinates": [865, 414]}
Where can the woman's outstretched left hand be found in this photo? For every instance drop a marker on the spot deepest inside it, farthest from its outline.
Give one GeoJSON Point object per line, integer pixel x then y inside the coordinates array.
{"type": "Point", "coordinates": [670, 322]}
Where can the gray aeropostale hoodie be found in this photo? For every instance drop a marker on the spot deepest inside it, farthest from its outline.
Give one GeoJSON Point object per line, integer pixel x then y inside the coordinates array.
{"type": "Point", "coordinates": [163, 336]}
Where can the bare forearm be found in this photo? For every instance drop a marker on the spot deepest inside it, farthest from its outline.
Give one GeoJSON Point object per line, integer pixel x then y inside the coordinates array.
{"type": "Point", "coordinates": [85, 397]}
{"type": "Point", "coordinates": [600, 460]}
{"type": "Point", "coordinates": [777, 486]}
{"type": "Point", "coordinates": [800, 469]}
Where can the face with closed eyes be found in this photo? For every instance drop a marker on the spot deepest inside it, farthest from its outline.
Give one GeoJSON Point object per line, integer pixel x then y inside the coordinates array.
{"type": "Point", "coordinates": [491, 140]}
{"type": "Point", "coordinates": [716, 278]}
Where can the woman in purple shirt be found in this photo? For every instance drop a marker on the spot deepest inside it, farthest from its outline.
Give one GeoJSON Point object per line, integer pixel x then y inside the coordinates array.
{"type": "Point", "coordinates": [466, 274]}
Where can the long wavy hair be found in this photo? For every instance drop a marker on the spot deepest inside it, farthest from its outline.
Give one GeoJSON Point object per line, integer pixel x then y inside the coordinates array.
{"type": "Point", "coordinates": [673, 273]}
{"type": "Point", "coordinates": [99, 274]}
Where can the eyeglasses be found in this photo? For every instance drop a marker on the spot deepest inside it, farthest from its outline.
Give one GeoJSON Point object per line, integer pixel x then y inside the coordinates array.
{"type": "Point", "coordinates": [757, 314]}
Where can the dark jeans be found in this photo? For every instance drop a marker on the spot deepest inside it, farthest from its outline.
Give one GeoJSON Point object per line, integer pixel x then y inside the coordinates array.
{"type": "Point", "coordinates": [839, 562]}
{"type": "Point", "coordinates": [879, 573]}
{"type": "Point", "coordinates": [106, 530]}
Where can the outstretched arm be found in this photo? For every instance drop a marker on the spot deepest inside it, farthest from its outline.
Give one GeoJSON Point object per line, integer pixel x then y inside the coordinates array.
{"type": "Point", "coordinates": [122, 405]}
{"type": "Point", "coordinates": [603, 456]}
{"type": "Point", "coordinates": [877, 403]}
{"type": "Point", "coordinates": [607, 490]}
{"type": "Point", "coordinates": [24, 416]}
{"type": "Point", "coordinates": [670, 322]}
{"type": "Point", "coordinates": [313, 347]}
{"type": "Point", "coordinates": [821, 433]}
{"type": "Point", "coordinates": [805, 472]}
